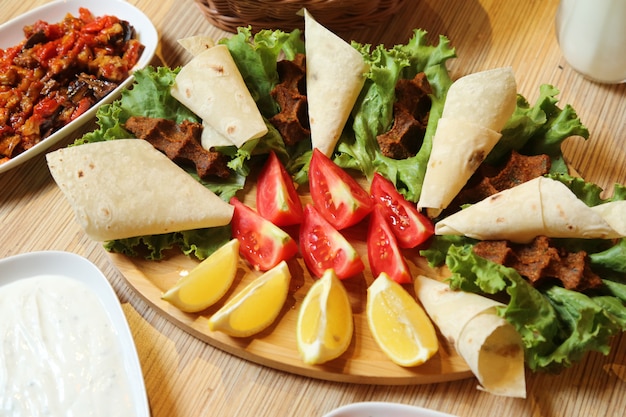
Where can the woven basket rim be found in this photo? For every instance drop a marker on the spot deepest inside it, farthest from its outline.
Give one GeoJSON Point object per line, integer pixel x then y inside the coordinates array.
{"type": "Point", "coordinates": [231, 14]}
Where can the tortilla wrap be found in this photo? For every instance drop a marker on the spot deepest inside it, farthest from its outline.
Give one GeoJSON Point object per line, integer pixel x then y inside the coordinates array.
{"type": "Point", "coordinates": [488, 343]}
{"type": "Point", "coordinates": [126, 188]}
{"type": "Point", "coordinates": [210, 138]}
{"type": "Point", "coordinates": [212, 87]}
{"type": "Point", "coordinates": [197, 44]}
{"type": "Point", "coordinates": [459, 147]}
{"type": "Point", "coordinates": [614, 213]}
{"type": "Point", "coordinates": [476, 109]}
{"type": "Point", "coordinates": [539, 207]}
{"type": "Point", "coordinates": [335, 74]}
{"type": "Point", "coordinates": [486, 98]}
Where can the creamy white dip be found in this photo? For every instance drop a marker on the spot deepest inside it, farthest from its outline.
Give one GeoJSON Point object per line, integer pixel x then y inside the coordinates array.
{"type": "Point", "coordinates": [59, 353]}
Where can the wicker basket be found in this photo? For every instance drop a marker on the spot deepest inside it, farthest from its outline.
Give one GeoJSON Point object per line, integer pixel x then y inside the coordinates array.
{"type": "Point", "coordinates": [337, 15]}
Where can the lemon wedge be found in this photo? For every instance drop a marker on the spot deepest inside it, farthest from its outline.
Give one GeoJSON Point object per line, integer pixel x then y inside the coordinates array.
{"type": "Point", "coordinates": [325, 324]}
{"type": "Point", "coordinates": [256, 306]}
{"type": "Point", "coordinates": [206, 283]}
{"type": "Point", "coordinates": [399, 324]}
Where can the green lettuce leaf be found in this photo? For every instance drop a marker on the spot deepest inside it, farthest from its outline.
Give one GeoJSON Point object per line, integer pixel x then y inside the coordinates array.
{"type": "Point", "coordinates": [557, 326]}
{"type": "Point", "coordinates": [613, 258]}
{"type": "Point", "coordinates": [538, 129]}
{"type": "Point", "coordinates": [373, 111]}
{"type": "Point", "coordinates": [616, 289]}
{"type": "Point", "coordinates": [199, 243]}
{"type": "Point", "coordinates": [585, 326]}
{"type": "Point", "coordinates": [526, 309]}
{"type": "Point", "coordinates": [256, 56]}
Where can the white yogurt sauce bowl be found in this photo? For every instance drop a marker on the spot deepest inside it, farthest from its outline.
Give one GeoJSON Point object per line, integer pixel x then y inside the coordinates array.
{"type": "Point", "coordinates": [55, 295]}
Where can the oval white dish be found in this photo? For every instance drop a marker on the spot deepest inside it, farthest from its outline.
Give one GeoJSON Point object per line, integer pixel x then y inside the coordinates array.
{"type": "Point", "coordinates": [75, 267]}
{"type": "Point", "coordinates": [11, 33]}
{"type": "Point", "coordinates": [383, 409]}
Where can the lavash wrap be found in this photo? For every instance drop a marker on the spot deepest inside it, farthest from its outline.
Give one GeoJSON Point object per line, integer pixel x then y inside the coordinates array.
{"type": "Point", "coordinates": [489, 344]}
{"type": "Point", "coordinates": [212, 87]}
{"type": "Point", "coordinates": [614, 213]}
{"type": "Point", "coordinates": [335, 75]}
{"type": "Point", "coordinates": [197, 44]}
{"type": "Point", "coordinates": [476, 109]}
{"type": "Point", "coordinates": [126, 188]}
{"type": "Point", "coordinates": [210, 137]}
{"type": "Point", "coordinates": [539, 207]}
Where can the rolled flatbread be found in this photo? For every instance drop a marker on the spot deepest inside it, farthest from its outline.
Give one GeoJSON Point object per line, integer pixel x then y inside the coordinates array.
{"type": "Point", "coordinates": [488, 343]}
{"type": "Point", "coordinates": [486, 98]}
{"type": "Point", "coordinates": [476, 109]}
{"type": "Point", "coordinates": [126, 188]}
{"type": "Point", "coordinates": [615, 215]}
{"type": "Point", "coordinates": [197, 44]}
{"type": "Point", "coordinates": [212, 87]}
{"type": "Point", "coordinates": [211, 138]}
{"type": "Point", "coordinates": [459, 147]}
{"type": "Point", "coordinates": [539, 207]}
{"type": "Point", "coordinates": [335, 74]}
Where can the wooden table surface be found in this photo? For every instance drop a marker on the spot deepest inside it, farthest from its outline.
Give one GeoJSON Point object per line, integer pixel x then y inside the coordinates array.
{"type": "Point", "coordinates": [185, 377]}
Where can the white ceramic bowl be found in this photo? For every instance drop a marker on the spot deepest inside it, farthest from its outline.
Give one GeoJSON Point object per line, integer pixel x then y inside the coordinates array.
{"type": "Point", "coordinates": [383, 409]}
{"type": "Point", "coordinates": [11, 33]}
{"type": "Point", "coordinates": [65, 264]}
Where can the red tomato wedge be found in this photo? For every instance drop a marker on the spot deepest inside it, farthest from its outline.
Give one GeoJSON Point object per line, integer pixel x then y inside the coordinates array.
{"type": "Point", "coordinates": [383, 251]}
{"type": "Point", "coordinates": [276, 196]}
{"type": "Point", "coordinates": [323, 247]}
{"type": "Point", "coordinates": [261, 242]}
{"type": "Point", "coordinates": [410, 227]}
{"type": "Point", "coordinates": [336, 195]}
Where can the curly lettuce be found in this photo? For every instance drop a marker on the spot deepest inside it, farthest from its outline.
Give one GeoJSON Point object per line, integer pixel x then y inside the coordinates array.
{"type": "Point", "coordinates": [539, 129]}
{"type": "Point", "coordinates": [256, 56]}
{"type": "Point", "coordinates": [558, 326]}
{"type": "Point", "coordinates": [373, 111]}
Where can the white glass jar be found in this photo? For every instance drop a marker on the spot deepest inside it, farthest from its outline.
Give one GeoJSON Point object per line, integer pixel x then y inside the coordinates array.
{"type": "Point", "coordinates": [592, 37]}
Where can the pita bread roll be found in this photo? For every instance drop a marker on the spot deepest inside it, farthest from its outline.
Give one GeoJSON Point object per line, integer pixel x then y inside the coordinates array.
{"type": "Point", "coordinates": [210, 138]}
{"type": "Point", "coordinates": [488, 343]}
{"type": "Point", "coordinates": [126, 188]}
{"type": "Point", "coordinates": [614, 213]}
{"type": "Point", "coordinates": [486, 98]}
{"type": "Point", "coordinates": [459, 147]}
{"type": "Point", "coordinates": [539, 207]}
{"type": "Point", "coordinates": [335, 74]}
{"type": "Point", "coordinates": [197, 44]}
{"type": "Point", "coordinates": [212, 87]}
{"type": "Point", "coordinates": [476, 109]}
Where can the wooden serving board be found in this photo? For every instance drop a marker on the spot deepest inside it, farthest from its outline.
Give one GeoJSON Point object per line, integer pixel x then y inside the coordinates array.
{"type": "Point", "coordinates": [276, 347]}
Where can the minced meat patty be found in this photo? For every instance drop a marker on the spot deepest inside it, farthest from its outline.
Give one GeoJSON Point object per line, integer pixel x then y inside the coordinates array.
{"type": "Point", "coordinates": [411, 111]}
{"type": "Point", "coordinates": [540, 260]}
{"type": "Point", "coordinates": [489, 180]}
{"type": "Point", "coordinates": [180, 142]}
{"type": "Point", "coordinates": [292, 120]}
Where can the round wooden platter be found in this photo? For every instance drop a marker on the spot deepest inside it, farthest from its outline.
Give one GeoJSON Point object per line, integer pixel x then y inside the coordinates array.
{"type": "Point", "coordinates": [363, 362]}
